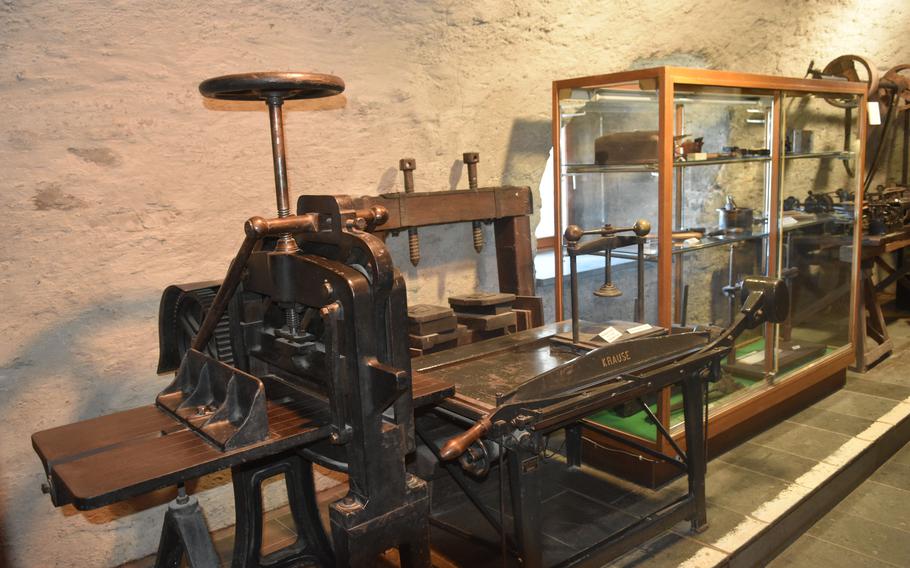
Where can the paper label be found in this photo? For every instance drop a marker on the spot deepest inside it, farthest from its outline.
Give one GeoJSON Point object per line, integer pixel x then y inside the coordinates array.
{"type": "Point", "coordinates": [691, 241]}
{"type": "Point", "coordinates": [639, 328]}
{"type": "Point", "coordinates": [875, 116]}
{"type": "Point", "coordinates": [610, 334]}
{"type": "Point", "coordinates": [787, 221]}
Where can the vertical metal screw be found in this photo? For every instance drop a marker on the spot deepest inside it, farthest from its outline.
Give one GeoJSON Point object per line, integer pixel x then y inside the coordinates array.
{"type": "Point", "coordinates": [286, 242]}
{"type": "Point", "coordinates": [407, 167]}
{"type": "Point", "coordinates": [470, 159]}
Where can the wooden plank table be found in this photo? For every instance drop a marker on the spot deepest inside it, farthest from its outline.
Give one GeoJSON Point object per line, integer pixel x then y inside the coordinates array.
{"type": "Point", "coordinates": [103, 460]}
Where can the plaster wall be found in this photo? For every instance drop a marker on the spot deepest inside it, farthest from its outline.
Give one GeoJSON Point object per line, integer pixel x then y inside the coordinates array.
{"type": "Point", "coordinates": [118, 178]}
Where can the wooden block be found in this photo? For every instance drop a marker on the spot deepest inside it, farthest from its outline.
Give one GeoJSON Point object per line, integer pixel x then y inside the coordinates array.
{"type": "Point", "coordinates": [482, 303]}
{"type": "Point", "coordinates": [443, 325]}
{"type": "Point", "coordinates": [422, 313]}
{"type": "Point", "coordinates": [487, 322]}
{"type": "Point", "coordinates": [524, 318]}
{"type": "Point", "coordinates": [425, 342]}
{"type": "Point", "coordinates": [481, 299]}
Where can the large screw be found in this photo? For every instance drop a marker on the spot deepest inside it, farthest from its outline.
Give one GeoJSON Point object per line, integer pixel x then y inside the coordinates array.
{"type": "Point", "coordinates": [407, 167]}
{"type": "Point", "coordinates": [286, 242]}
{"type": "Point", "coordinates": [470, 159]}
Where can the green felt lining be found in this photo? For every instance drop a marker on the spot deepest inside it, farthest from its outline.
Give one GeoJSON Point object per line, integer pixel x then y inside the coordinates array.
{"type": "Point", "coordinates": [638, 424]}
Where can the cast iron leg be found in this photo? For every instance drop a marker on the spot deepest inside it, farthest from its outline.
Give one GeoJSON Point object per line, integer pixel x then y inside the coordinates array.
{"type": "Point", "coordinates": [416, 552]}
{"type": "Point", "coordinates": [696, 459]}
{"type": "Point", "coordinates": [184, 533]}
{"type": "Point", "coordinates": [311, 545]}
{"type": "Point", "coordinates": [573, 445]}
{"type": "Point", "coordinates": [359, 535]}
{"type": "Point", "coordinates": [524, 485]}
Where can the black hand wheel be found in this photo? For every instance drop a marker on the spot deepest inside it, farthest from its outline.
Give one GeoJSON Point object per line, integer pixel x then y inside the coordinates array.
{"type": "Point", "coordinates": [271, 84]}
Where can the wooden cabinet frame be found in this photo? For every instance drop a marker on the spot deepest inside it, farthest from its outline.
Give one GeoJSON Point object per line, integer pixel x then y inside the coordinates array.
{"type": "Point", "coordinates": [816, 379]}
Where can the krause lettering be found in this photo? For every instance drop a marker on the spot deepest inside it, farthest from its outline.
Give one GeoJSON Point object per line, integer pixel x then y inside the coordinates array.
{"type": "Point", "coordinates": [611, 360]}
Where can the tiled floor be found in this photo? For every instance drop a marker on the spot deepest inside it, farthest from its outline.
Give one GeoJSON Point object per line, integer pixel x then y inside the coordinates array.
{"type": "Point", "coordinates": [869, 528]}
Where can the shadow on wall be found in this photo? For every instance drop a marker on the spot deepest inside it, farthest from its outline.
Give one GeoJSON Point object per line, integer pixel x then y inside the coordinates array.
{"type": "Point", "coordinates": [526, 159]}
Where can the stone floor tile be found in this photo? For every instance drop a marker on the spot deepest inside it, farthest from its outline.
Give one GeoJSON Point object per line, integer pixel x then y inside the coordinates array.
{"type": "Point", "coordinates": [665, 551]}
{"type": "Point", "coordinates": [720, 522]}
{"type": "Point", "coordinates": [644, 501]}
{"type": "Point", "coordinates": [867, 537]}
{"type": "Point", "coordinates": [833, 421]}
{"type": "Point", "coordinates": [740, 489]}
{"type": "Point", "coordinates": [895, 474]}
{"type": "Point", "coordinates": [768, 461]}
{"type": "Point", "coordinates": [579, 521]}
{"type": "Point", "coordinates": [881, 503]}
{"type": "Point", "coordinates": [856, 404]}
{"type": "Point", "coordinates": [902, 456]}
{"type": "Point", "coordinates": [810, 552]}
{"type": "Point", "coordinates": [878, 386]}
{"type": "Point", "coordinates": [276, 536]}
{"type": "Point", "coordinates": [224, 544]}
{"type": "Point", "coordinates": [801, 440]}
{"type": "Point", "coordinates": [596, 484]}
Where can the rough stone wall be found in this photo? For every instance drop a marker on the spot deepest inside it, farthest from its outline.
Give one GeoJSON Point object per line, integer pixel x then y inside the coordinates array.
{"type": "Point", "coordinates": [117, 178]}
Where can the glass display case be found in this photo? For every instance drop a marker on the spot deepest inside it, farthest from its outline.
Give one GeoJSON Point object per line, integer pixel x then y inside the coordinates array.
{"type": "Point", "coordinates": [738, 174]}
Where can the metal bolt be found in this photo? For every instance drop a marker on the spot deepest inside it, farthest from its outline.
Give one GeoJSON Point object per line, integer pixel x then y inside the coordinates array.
{"type": "Point", "coordinates": [470, 159]}
{"type": "Point", "coordinates": [407, 167]}
{"type": "Point", "coordinates": [182, 497]}
{"type": "Point", "coordinates": [292, 318]}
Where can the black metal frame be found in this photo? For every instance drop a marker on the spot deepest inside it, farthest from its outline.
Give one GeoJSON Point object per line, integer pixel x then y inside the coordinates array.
{"type": "Point", "coordinates": [523, 470]}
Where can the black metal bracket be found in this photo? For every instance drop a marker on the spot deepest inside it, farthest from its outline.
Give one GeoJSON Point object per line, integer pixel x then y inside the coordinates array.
{"type": "Point", "coordinates": [185, 536]}
{"type": "Point", "coordinates": [222, 404]}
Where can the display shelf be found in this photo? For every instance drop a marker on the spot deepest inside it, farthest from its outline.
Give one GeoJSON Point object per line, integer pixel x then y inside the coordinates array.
{"type": "Point", "coordinates": [573, 169]}
{"type": "Point", "coordinates": [694, 282]}
{"type": "Point", "coordinates": [818, 155]}
{"type": "Point", "coordinates": [652, 166]}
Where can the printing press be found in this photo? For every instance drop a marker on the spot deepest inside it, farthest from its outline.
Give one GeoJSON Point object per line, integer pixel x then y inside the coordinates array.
{"type": "Point", "coordinates": [300, 356]}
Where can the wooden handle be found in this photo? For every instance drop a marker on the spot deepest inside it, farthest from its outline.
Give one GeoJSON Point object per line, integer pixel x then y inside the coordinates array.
{"type": "Point", "coordinates": [457, 445]}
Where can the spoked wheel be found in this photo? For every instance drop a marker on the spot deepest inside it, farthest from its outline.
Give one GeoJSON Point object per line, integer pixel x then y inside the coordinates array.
{"type": "Point", "coordinates": [849, 67]}
{"type": "Point", "coordinates": [192, 308]}
{"type": "Point", "coordinates": [898, 80]}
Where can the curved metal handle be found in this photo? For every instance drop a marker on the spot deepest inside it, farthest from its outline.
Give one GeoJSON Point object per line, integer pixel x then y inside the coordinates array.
{"type": "Point", "coordinates": [459, 444]}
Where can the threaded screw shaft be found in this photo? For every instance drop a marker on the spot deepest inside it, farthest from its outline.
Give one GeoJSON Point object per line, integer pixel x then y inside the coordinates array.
{"type": "Point", "coordinates": [293, 320]}
{"type": "Point", "coordinates": [477, 231]}
{"type": "Point", "coordinates": [414, 246]}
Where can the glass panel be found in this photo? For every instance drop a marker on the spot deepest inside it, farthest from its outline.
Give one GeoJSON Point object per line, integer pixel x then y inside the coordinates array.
{"type": "Point", "coordinates": [721, 209]}
{"type": "Point", "coordinates": [817, 187]}
{"type": "Point", "coordinates": [608, 140]}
